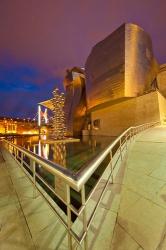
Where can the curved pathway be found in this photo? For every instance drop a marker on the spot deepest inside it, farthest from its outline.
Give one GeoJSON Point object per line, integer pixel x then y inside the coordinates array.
{"type": "Point", "coordinates": [141, 221]}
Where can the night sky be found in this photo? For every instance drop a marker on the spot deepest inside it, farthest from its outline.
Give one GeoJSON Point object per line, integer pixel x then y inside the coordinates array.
{"type": "Point", "coordinates": [40, 39]}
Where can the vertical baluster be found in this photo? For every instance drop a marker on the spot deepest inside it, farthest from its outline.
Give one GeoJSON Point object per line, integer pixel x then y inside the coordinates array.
{"type": "Point", "coordinates": [83, 200]}
{"type": "Point", "coordinates": [34, 178]}
{"type": "Point", "coordinates": [111, 163]}
{"type": "Point", "coordinates": [55, 182]}
{"type": "Point", "coordinates": [15, 153]}
{"type": "Point", "coordinates": [69, 217]}
{"type": "Point", "coordinates": [130, 135]}
{"type": "Point", "coordinates": [21, 159]}
{"type": "Point", "coordinates": [126, 140]}
{"type": "Point", "coordinates": [121, 149]}
{"type": "Point", "coordinates": [133, 131]}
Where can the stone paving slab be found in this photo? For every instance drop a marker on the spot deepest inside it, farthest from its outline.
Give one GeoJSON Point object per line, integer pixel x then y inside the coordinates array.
{"type": "Point", "coordinates": [14, 233]}
{"type": "Point", "coordinates": [32, 217]}
{"type": "Point", "coordinates": [141, 221]}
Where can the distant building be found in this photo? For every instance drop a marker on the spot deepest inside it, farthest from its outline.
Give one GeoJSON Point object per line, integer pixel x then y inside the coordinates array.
{"type": "Point", "coordinates": [17, 126]}
{"type": "Point", "coordinates": [7, 125]}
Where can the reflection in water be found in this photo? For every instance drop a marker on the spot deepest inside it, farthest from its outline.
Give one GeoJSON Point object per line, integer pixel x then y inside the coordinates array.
{"type": "Point", "coordinates": [45, 149]}
{"type": "Point", "coordinates": [59, 153]}
{"type": "Point", "coordinates": [39, 148]}
{"type": "Point", "coordinates": [71, 155]}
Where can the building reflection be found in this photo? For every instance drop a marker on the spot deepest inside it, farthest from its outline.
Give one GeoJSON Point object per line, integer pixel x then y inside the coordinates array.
{"type": "Point", "coordinates": [45, 151]}
{"type": "Point", "coordinates": [68, 155]}
{"type": "Point", "coordinates": [59, 156]}
{"type": "Point", "coordinates": [59, 153]}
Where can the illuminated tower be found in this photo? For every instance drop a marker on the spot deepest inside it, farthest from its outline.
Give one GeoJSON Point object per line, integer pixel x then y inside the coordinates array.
{"type": "Point", "coordinates": [58, 124]}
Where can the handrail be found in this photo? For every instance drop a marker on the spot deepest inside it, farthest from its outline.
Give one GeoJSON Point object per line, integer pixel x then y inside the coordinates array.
{"type": "Point", "coordinates": [52, 167]}
{"type": "Point", "coordinates": [83, 175]}
{"type": "Point", "coordinates": [76, 181]}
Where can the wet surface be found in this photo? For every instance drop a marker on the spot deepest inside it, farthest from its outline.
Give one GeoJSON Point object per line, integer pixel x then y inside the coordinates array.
{"type": "Point", "coordinates": [72, 155]}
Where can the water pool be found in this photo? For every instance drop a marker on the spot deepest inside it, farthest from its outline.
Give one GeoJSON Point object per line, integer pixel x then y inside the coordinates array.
{"type": "Point", "coordinates": [72, 155]}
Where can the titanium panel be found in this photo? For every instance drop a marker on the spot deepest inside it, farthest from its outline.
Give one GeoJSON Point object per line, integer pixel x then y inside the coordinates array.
{"type": "Point", "coordinates": [122, 65]}
{"type": "Point", "coordinates": [75, 102]}
{"type": "Point", "coordinates": [140, 65]}
{"type": "Point", "coordinates": [104, 69]}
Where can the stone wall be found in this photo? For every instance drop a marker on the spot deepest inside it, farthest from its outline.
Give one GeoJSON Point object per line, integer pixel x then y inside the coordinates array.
{"type": "Point", "coordinates": [116, 118]}
{"type": "Point", "coordinates": [161, 79]}
{"type": "Point", "coordinates": [162, 108]}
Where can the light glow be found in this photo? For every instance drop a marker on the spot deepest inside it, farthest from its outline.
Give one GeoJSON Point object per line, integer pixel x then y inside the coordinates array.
{"type": "Point", "coordinates": [39, 115]}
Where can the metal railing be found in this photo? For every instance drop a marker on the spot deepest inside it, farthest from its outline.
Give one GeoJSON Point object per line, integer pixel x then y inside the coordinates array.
{"type": "Point", "coordinates": [79, 187]}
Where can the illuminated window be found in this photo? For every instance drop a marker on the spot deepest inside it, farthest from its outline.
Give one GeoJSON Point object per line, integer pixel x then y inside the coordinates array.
{"type": "Point", "coordinates": [96, 124]}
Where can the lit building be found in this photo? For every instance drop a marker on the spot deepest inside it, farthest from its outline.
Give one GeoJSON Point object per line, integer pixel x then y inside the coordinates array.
{"type": "Point", "coordinates": [17, 126]}
{"type": "Point", "coordinates": [8, 125]}
{"type": "Point", "coordinates": [122, 65]}
{"type": "Point", "coordinates": [75, 101]}
{"type": "Point", "coordinates": [118, 88]}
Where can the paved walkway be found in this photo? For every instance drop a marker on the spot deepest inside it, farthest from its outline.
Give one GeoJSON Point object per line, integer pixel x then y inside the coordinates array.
{"type": "Point", "coordinates": [132, 214]}
{"type": "Point", "coordinates": [141, 222]}
{"type": "Point", "coordinates": [26, 223]}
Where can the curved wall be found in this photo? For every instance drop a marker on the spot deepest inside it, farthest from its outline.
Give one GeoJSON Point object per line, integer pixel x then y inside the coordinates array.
{"type": "Point", "coordinates": [122, 65]}
{"type": "Point", "coordinates": [140, 65]}
{"type": "Point", "coordinates": [161, 80]}
{"type": "Point", "coordinates": [104, 69]}
{"type": "Point", "coordinates": [75, 103]}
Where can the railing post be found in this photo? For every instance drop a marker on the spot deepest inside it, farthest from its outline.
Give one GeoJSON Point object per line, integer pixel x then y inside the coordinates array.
{"type": "Point", "coordinates": [126, 141]}
{"type": "Point", "coordinates": [21, 159]}
{"type": "Point", "coordinates": [69, 217]}
{"type": "Point", "coordinates": [111, 164]}
{"type": "Point", "coordinates": [132, 133]}
{"type": "Point", "coordinates": [34, 178]}
{"type": "Point", "coordinates": [120, 149]}
{"type": "Point", "coordinates": [15, 153]}
{"type": "Point", "coordinates": [83, 200]}
{"type": "Point", "coordinates": [130, 136]}
{"type": "Point", "coordinates": [54, 182]}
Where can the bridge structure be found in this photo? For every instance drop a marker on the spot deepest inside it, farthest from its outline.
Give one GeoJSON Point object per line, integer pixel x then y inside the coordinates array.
{"type": "Point", "coordinates": [125, 209]}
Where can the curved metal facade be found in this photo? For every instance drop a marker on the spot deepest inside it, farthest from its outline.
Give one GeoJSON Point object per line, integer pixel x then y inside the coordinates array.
{"type": "Point", "coordinates": [122, 65]}
{"type": "Point", "coordinates": [75, 102]}
{"type": "Point", "coordinates": [161, 80]}
{"type": "Point", "coordinates": [140, 65]}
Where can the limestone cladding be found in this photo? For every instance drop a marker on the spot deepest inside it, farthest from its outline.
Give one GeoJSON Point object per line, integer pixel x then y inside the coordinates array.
{"type": "Point", "coordinates": [134, 111]}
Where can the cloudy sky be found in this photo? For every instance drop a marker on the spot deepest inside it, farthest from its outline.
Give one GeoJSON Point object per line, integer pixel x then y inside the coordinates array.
{"type": "Point", "coordinates": [39, 39]}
